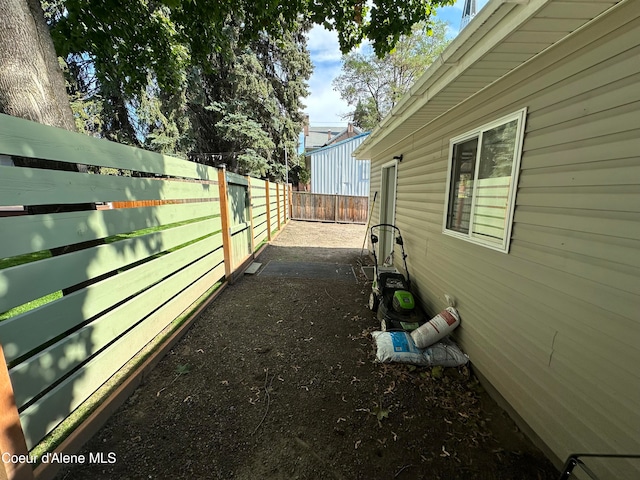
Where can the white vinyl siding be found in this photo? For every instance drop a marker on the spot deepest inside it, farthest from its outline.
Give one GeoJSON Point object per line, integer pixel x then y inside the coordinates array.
{"type": "Point", "coordinates": [553, 325]}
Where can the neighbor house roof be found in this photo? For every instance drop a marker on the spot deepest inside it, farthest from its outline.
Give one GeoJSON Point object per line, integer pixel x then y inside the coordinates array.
{"type": "Point", "coordinates": [317, 137]}
{"type": "Point", "coordinates": [337, 144]}
{"type": "Point", "coordinates": [321, 136]}
{"type": "Point", "coordinates": [503, 36]}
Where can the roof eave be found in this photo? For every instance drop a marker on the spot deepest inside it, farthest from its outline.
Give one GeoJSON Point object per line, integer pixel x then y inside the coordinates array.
{"type": "Point", "coordinates": [500, 18]}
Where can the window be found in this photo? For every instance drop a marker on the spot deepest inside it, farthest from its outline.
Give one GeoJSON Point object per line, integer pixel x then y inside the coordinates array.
{"type": "Point", "coordinates": [482, 181]}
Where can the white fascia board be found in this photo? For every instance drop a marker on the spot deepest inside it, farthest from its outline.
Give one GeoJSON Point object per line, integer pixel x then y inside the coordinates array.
{"type": "Point", "coordinates": [462, 53]}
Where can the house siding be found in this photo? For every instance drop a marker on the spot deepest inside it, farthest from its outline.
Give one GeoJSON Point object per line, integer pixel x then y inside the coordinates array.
{"type": "Point", "coordinates": [554, 324]}
{"type": "Point", "coordinates": [334, 171]}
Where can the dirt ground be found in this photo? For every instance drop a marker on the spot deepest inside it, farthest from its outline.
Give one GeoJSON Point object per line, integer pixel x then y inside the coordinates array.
{"type": "Point", "coordinates": [278, 380]}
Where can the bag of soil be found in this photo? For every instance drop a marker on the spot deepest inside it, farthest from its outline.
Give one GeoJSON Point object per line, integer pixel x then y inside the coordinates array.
{"type": "Point", "coordinates": [399, 347]}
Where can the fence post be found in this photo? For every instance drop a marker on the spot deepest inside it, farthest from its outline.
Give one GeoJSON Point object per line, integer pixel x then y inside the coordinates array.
{"type": "Point", "coordinates": [253, 246]}
{"type": "Point", "coordinates": [335, 210]}
{"type": "Point", "coordinates": [278, 203]}
{"type": "Point", "coordinates": [290, 201]}
{"type": "Point", "coordinates": [11, 435]}
{"type": "Point", "coordinates": [224, 217]}
{"type": "Point", "coordinates": [266, 191]}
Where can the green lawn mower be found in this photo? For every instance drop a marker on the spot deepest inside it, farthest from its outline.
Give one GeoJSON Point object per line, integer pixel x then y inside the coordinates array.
{"type": "Point", "coordinates": [390, 294]}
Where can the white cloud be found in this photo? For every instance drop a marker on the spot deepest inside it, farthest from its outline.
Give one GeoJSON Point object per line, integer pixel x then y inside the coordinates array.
{"type": "Point", "coordinates": [323, 45]}
{"type": "Point", "coordinates": [324, 105]}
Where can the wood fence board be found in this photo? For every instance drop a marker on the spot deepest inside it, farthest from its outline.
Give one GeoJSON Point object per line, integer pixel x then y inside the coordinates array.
{"type": "Point", "coordinates": [258, 183]}
{"type": "Point", "coordinates": [259, 223]}
{"type": "Point", "coordinates": [33, 186]}
{"type": "Point", "coordinates": [235, 179]}
{"type": "Point", "coordinates": [51, 364]}
{"type": "Point", "coordinates": [23, 283]}
{"type": "Point", "coordinates": [283, 209]}
{"type": "Point", "coordinates": [239, 228]}
{"type": "Point", "coordinates": [261, 235]}
{"type": "Point", "coordinates": [241, 246]}
{"type": "Point", "coordinates": [258, 202]}
{"type": "Point", "coordinates": [27, 331]}
{"type": "Point", "coordinates": [47, 412]}
{"type": "Point", "coordinates": [259, 210]}
{"type": "Point", "coordinates": [32, 140]}
{"type": "Point", "coordinates": [32, 233]}
{"type": "Point", "coordinates": [329, 208]}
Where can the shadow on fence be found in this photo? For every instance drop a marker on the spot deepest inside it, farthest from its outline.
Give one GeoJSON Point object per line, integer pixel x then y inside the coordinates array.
{"type": "Point", "coordinates": [168, 235]}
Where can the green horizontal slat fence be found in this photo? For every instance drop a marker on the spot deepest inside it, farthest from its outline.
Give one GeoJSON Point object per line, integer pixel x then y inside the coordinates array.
{"type": "Point", "coordinates": [259, 210]}
{"type": "Point", "coordinates": [31, 140]}
{"type": "Point", "coordinates": [81, 292]}
{"type": "Point", "coordinates": [29, 281]}
{"type": "Point", "coordinates": [42, 416]}
{"type": "Point", "coordinates": [32, 186]}
{"type": "Point", "coordinates": [32, 233]}
{"type": "Point", "coordinates": [62, 357]}
{"type": "Point", "coordinates": [27, 331]}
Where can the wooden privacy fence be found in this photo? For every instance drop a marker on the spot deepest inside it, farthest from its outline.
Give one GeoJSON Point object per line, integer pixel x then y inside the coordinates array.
{"type": "Point", "coordinates": [82, 290]}
{"type": "Point", "coordinates": [329, 208]}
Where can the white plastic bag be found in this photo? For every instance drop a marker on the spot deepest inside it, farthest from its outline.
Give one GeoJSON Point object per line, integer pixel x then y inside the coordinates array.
{"type": "Point", "coordinates": [445, 353]}
{"type": "Point", "coordinates": [438, 327]}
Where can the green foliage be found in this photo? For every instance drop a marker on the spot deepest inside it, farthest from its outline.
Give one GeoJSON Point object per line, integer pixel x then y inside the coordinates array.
{"type": "Point", "coordinates": [374, 85]}
{"type": "Point", "coordinates": [246, 136]}
{"type": "Point", "coordinates": [383, 23]}
{"type": "Point", "coordinates": [366, 116]}
{"type": "Point", "coordinates": [206, 79]}
{"type": "Point", "coordinates": [298, 172]}
{"type": "Point", "coordinates": [124, 40]}
{"type": "Point", "coordinates": [87, 114]}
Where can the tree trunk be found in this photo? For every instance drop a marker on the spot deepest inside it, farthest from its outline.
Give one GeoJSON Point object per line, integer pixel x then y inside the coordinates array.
{"type": "Point", "coordinates": [32, 85]}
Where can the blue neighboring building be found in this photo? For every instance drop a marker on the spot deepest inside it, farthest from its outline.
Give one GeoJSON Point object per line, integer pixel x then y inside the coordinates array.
{"type": "Point", "coordinates": [328, 157]}
{"type": "Point", "coordinates": [334, 171]}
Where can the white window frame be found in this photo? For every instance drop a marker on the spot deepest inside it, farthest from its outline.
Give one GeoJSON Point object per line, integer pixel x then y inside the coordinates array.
{"type": "Point", "coordinates": [520, 116]}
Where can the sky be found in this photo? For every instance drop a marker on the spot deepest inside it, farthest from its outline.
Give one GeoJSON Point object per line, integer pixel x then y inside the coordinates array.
{"type": "Point", "coordinates": [324, 105]}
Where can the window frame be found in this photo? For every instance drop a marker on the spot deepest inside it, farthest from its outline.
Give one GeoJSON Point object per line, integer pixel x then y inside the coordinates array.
{"type": "Point", "coordinates": [520, 116]}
